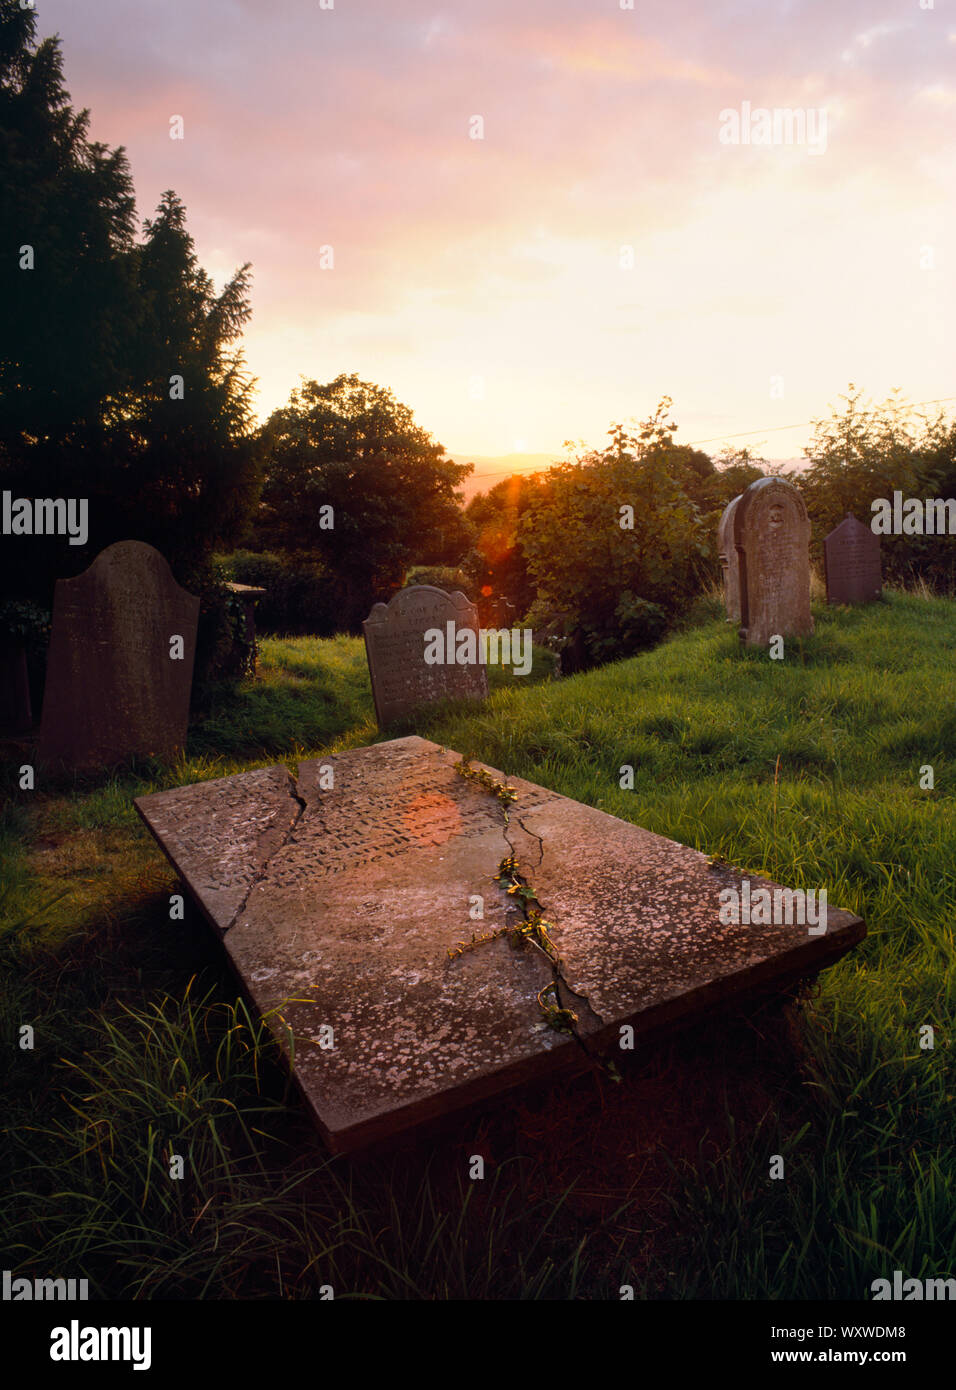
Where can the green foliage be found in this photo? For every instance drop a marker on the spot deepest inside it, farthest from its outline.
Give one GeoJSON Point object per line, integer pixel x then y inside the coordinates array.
{"type": "Point", "coordinates": [865, 451]}
{"type": "Point", "coordinates": [616, 588]}
{"type": "Point", "coordinates": [447, 577]}
{"type": "Point", "coordinates": [300, 596]}
{"type": "Point", "coordinates": [532, 928]}
{"type": "Point", "coordinates": [71, 200]}
{"type": "Point", "coordinates": [838, 1085]}
{"type": "Point", "coordinates": [25, 622]}
{"type": "Point", "coordinates": [91, 337]}
{"type": "Point", "coordinates": [351, 446]}
{"type": "Point", "coordinates": [505, 591]}
{"type": "Point", "coordinates": [734, 471]}
{"type": "Point", "coordinates": [225, 650]}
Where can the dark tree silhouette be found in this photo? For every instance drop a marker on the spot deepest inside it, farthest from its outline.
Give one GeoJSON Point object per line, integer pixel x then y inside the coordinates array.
{"type": "Point", "coordinates": [94, 331]}
{"type": "Point", "coordinates": [351, 446]}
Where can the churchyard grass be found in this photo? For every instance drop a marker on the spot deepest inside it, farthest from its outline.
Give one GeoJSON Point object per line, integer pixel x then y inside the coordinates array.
{"type": "Point", "coordinates": [807, 770]}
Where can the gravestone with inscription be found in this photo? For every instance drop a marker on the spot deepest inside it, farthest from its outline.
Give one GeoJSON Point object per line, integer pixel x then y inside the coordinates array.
{"type": "Point", "coordinates": [772, 540]}
{"type": "Point", "coordinates": [851, 557]}
{"type": "Point", "coordinates": [341, 895]}
{"type": "Point", "coordinates": [395, 643]}
{"type": "Point", "coordinates": [729, 564]}
{"type": "Point", "coordinates": [120, 664]}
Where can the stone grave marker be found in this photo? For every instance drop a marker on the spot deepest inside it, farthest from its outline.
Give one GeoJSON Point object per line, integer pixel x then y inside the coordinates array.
{"type": "Point", "coordinates": [729, 563]}
{"type": "Point", "coordinates": [113, 686]}
{"type": "Point", "coordinates": [339, 895]}
{"type": "Point", "coordinates": [772, 540]}
{"type": "Point", "coordinates": [851, 557]}
{"type": "Point", "coordinates": [402, 680]}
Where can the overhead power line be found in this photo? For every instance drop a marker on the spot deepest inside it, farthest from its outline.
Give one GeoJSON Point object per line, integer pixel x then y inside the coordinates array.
{"type": "Point", "coordinates": [743, 434]}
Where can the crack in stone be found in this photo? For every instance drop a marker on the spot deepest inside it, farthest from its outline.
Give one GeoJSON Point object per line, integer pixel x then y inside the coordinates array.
{"type": "Point", "coordinates": [563, 991]}
{"type": "Point", "coordinates": [263, 869]}
{"type": "Point", "coordinates": [532, 835]}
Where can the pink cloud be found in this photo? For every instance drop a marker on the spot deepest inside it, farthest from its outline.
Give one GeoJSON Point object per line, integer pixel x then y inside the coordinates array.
{"type": "Point", "coordinates": [350, 127]}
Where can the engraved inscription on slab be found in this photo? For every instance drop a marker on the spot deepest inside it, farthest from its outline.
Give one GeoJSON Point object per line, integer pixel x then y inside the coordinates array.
{"type": "Point", "coordinates": [772, 539]}
{"type": "Point", "coordinates": [851, 555]}
{"type": "Point", "coordinates": [116, 684]}
{"type": "Point", "coordinates": [402, 680]}
{"type": "Point", "coordinates": [339, 894]}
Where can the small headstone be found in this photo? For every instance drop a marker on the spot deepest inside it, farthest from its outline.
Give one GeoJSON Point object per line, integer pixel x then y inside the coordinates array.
{"type": "Point", "coordinates": [248, 595]}
{"type": "Point", "coordinates": [729, 564]}
{"type": "Point", "coordinates": [338, 896]}
{"type": "Point", "coordinates": [851, 557]}
{"type": "Point", "coordinates": [772, 540]}
{"type": "Point", "coordinates": [396, 645]}
{"type": "Point", "coordinates": [116, 684]}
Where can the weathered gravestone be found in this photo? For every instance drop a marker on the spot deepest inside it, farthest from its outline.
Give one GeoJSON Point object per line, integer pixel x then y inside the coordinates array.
{"type": "Point", "coordinates": [339, 895]}
{"type": "Point", "coordinates": [851, 557]}
{"type": "Point", "coordinates": [116, 684]}
{"type": "Point", "coordinates": [729, 564]}
{"type": "Point", "coordinates": [772, 541]}
{"type": "Point", "coordinates": [395, 643]}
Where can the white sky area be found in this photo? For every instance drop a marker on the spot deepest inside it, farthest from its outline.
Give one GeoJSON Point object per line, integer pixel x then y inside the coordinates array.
{"type": "Point", "coordinates": [481, 280]}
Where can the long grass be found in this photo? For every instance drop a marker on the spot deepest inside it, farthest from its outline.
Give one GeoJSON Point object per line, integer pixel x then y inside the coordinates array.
{"type": "Point", "coordinates": [808, 770]}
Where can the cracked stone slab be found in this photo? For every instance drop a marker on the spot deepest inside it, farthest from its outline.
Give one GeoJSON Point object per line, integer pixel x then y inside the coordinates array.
{"type": "Point", "coordinates": [339, 896]}
{"type": "Point", "coordinates": [219, 835]}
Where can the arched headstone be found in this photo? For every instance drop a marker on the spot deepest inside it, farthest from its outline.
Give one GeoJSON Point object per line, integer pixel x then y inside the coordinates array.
{"type": "Point", "coordinates": [403, 680]}
{"type": "Point", "coordinates": [120, 666]}
{"type": "Point", "coordinates": [727, 553]}
{"type": "Point", "coordinates": [772, 541]}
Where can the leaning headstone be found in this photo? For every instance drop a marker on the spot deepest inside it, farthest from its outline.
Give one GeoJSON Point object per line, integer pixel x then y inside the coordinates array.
{"type": "Point", "coordinates": [343, 897]}
{"type": "Point", "coordinates": [772, 540]}
{"type": "Point", "coordinates": [120, 664]}
{"type": "Point", "coordinates": [403, 680]}
{"type": "Point", "coordinates": [729, 564]}
{"type": "Point", "coordinates": [851, 557]}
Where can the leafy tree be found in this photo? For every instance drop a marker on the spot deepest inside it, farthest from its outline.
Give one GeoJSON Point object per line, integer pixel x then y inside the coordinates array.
{"type": "Point", "coordinates": [67, 208]}
{"type": "Point", "coordinates": [601, 585]}
{"type": "Point", "coordinates": [184, 434]}
{"type": "Point", "coordinates": [864, 452]}
{"type": "Point", "coordinates": [92, 334]}
{"type": "Point", "coordinates": [505, 589]}
{"type": "Point", "coordinates": [858, 454]}
{"type": "Point", "coordinates": [733, 473]}
{"type": "Point", "coordinates": [934, 558]}
{"type": "Point", "coordinates": [350, 446]}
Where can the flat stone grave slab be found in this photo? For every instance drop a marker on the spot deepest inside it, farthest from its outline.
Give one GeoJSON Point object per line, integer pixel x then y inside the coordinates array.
{"type": "Point", "coordinates": [339, 895]}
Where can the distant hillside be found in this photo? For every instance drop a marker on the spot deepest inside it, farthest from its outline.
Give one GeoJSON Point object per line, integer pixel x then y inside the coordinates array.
{"type": "Point", "coordinates": [492, 468]}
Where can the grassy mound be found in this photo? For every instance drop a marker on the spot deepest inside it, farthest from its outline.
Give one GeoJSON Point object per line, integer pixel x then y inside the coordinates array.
{"type": "Point", "coordinates": [807, 769]}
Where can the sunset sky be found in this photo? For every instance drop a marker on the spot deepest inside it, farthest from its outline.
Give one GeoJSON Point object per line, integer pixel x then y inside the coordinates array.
{"type": "Point", "coordinates": [481, 279]}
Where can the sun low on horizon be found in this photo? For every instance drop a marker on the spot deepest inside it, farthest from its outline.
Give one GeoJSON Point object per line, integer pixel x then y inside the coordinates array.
{"type": "Point", "coordinates": [530, 219]}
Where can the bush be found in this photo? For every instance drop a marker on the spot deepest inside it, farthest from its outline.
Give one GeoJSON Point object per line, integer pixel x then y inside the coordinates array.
{"type": "Point", "coordinates": [300, 598]}
{"type": "Point", "coordinates": [867, 451]}
{"type": "Point", "coordinates": [24, 623]}
{"type": "Point", "coordinates": [224, 650]}
{"type": "Point", "coordinates": [615, 545]}
{"type": "Point", "coordinates": [446, 577]}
